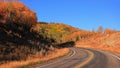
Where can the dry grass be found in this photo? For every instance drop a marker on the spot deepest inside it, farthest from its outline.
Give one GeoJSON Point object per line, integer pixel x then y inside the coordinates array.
{"type": "Point", "coordinates": [18, 64]}
{"type": "Point", "coordinates": [107, 42]}
{"type": "Point", "coordinates": [105, 48]}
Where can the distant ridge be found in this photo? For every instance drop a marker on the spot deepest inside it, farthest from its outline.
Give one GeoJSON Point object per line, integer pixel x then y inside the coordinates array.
{"type": "Point", "coordinates": [9, 0]}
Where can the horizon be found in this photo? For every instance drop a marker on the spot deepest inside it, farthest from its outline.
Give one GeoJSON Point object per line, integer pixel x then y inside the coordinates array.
{"type": "Point", "coordinates": [86, 15]}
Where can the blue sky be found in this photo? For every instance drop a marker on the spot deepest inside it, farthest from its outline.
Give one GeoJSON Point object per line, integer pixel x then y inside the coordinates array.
{"type": "Point", "coordinates": [83, 14]}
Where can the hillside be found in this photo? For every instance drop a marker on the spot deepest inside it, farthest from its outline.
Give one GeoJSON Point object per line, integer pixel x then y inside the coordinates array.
{"type": "Point", "coordinates": [17, 39]}
{"type": "Point", "coordinates": [109, 42]}
{"type": "Point", "coordinates": [57, 32]}
{"type": "Point", "coordinates": [60, 33]}
{"type": "Point", "coordinates": [81, 34]}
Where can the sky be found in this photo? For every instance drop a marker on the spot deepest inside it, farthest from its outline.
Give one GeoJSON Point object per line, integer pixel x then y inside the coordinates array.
{"type": "Point", "coordinates": [83, 14]}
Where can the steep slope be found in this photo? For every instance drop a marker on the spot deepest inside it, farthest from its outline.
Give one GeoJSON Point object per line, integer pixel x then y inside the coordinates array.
{"type": "Point", "coordinates": [17, 39]}
{"type": "Point", "coordinates": [110, 42]}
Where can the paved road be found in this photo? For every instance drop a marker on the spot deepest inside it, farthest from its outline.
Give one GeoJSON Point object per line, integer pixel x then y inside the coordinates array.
{"type": "Point", "coordinates": [85, 58]}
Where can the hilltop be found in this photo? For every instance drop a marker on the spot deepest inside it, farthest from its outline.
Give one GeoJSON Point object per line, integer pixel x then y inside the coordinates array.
{"type": "Point", "coordinates": [16, 12]}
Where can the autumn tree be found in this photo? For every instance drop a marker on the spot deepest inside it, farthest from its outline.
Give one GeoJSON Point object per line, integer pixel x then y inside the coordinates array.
{"type": "Point", "coordinates": [100, 29]}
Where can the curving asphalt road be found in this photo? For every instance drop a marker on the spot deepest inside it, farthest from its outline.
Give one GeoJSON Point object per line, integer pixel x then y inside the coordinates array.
{"type": "Point", "coordinates": [85, 58]}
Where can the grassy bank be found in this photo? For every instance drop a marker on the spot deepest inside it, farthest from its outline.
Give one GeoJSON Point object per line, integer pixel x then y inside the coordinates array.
{"type": "Point", "coordinates": [25, 64]}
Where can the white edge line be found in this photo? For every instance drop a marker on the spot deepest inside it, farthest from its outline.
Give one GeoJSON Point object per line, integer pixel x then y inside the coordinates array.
{"type": "Point", "coordinates": [72, 53]}
{"type": "Point", "coordinates": [116, 56]}
{"type": "Point", "coordinates": [58, 60]}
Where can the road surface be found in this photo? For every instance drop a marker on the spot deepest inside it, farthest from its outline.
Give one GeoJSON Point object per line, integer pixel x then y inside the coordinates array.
{"type": "Point", "coordinates": [85, 58]}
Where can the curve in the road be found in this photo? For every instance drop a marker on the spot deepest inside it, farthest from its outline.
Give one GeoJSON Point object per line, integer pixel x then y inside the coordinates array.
{"type": "Point", "coordinates": [72, 53]}
{"type": "Point", "coordinates": [77, 56]}
{"type": "Point", "coordinates": [85, 58]}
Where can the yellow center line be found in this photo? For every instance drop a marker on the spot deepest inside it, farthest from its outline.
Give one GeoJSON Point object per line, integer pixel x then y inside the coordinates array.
{"type": "Point", "coordinates": [87, 60]}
